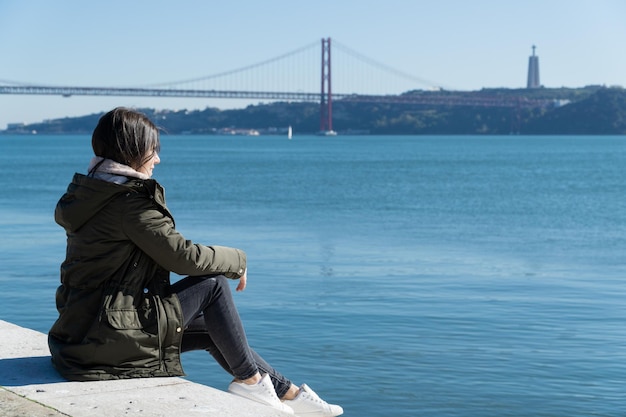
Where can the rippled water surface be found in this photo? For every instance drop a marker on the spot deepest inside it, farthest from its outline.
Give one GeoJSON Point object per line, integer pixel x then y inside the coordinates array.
{"type": "Point", "coordinates": [406, 276]}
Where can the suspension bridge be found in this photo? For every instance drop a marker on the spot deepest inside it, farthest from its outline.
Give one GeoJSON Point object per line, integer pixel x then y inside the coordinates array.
{"type": "Point", "coordinates": [299, 75]}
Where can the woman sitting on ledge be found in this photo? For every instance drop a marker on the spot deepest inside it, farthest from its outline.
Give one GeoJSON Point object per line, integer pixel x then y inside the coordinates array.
{"type": "Point", "coordinates": [119, 315]}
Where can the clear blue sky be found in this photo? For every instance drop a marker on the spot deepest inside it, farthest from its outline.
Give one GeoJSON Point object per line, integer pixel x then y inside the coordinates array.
{"type": "Point", "coordinates": [460, 44]}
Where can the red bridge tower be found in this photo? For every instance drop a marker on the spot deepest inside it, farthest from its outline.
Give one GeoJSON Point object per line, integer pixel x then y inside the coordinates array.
{"type": "Point", "coordinates": [326, 98]}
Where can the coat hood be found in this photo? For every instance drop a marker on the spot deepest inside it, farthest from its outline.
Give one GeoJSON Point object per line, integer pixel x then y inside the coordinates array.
{"type": "Point", "coordinates": [85, 197]}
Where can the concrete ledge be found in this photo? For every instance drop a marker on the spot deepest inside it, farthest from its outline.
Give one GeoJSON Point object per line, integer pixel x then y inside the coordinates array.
{"type": "Point", "coordinates": [31, 387]}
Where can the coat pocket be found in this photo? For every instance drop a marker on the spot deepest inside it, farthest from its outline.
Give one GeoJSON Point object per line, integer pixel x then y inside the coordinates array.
{"type": "Point", "coordinates": [123, 319]}
{"type": "Point", "coordinates": [128, 341]}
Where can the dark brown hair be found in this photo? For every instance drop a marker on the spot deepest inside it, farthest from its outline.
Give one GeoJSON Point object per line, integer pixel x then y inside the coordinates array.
{"type": "Point", "coordinates": [125, 136]}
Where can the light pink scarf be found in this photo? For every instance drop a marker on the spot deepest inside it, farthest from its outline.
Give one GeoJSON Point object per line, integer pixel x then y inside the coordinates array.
{"type": "Point", "coordinates": [112, 171]}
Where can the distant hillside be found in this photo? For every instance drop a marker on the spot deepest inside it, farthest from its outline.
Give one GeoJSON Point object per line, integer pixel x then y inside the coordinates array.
{"type": "Point", "coordinates": [603, 113]}
{"type": "Point", "coordinates": [589, 110]}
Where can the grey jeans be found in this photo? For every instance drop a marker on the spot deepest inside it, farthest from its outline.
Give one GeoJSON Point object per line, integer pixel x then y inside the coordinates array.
{"type": "Point", "coordinates": [212, 323]}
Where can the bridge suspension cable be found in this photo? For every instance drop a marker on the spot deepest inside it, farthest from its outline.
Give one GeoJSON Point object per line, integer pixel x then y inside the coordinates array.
{"type": "Point", "coordinates": [297, 70]}
{"type": "Point", "coordinates": [384, 67]}
{"type": "Point", "coordinates": [238, 70]}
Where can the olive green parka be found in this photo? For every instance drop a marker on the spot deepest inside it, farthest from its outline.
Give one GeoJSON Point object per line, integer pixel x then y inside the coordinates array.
{"type": "Point", "coordinates": [117, 315]}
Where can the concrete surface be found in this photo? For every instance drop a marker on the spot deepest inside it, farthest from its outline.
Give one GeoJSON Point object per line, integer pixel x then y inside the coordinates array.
{"type": "Point", "coordinates": [30, 387]}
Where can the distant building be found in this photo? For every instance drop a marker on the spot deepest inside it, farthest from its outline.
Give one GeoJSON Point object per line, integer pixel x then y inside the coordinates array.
{"type": "Point", "coordinates": [16, 126]}
{"type": "Point", "coordinates": [533, 71]}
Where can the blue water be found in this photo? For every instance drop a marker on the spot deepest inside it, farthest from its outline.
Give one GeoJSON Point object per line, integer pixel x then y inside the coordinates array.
{"type": "Point", "coordinates": [405, 276]}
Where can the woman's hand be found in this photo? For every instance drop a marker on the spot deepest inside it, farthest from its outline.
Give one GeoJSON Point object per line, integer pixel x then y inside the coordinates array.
{"type": "Point", "coordinates": [242, 281]}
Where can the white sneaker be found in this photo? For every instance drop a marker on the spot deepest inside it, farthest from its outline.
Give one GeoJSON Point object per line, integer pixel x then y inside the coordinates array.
{"type": "Point", "coordinates": [262, 392]}
{"type": "Point", "coordinates": [308, 404]}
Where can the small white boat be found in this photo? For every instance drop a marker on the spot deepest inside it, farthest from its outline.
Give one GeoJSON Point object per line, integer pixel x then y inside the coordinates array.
{"type": "Point", "coordinates": [289, 133]}
{"type": "Point", "coordinates": [327, 133]}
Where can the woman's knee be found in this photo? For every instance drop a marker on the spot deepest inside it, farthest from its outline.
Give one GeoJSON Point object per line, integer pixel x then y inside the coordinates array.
{"type": "Point", "coordinates": [221, 282]}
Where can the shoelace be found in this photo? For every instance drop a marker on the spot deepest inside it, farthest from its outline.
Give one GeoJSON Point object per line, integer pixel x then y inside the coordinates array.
{"type": "Point", "coordinates": [315, 398]}
{"type": "Point", "coordinates": [271, 393]}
